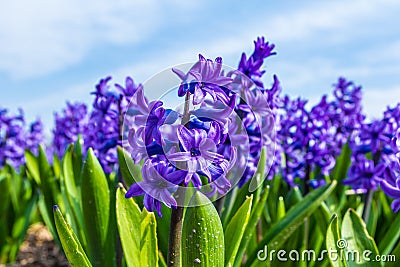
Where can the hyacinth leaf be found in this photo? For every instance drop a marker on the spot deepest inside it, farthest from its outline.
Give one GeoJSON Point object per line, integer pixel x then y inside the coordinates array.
{"type": "Point", "coordinates": [41, 172]}
{"type": "Point", "coordinates": [251, 225]}
{"type": "Point", "coordinates": [5, 194]}
{"type": "Point", "coordinates": [236, 198]}
{"type": "Point", "coordinates": [258, 177]}
{"type": "Point", "coordinates": [56, 166]}
{"type": "Point", "coordinates": [373, 218]}
{"type": "Point", "coordinates": [354, 232]}
{"type": "Point", "coordinates": [394, 261]}
{"type": "Point", "coordinates": [95, 197]}
{"type": "Point", "coordinates": [130, 171]}
{"type": "Point", "coordinates": [163, 225]}
{"type": "Point", "coordinates": [235, 230]}
{"type": "Point", "coordinates": [282, 230]}
{"type": "Point", "coordinates": [391, 237]}
{"type": "Point", "coordinates": [148, 240]}
{"type": "Point", "coordinates": [202, 234]}
{"type": "Point", "coordinates": [72, 186]}
{"type": "Point", "coordinates": [77, 157]}
{"type": "Point", "coordinates": [128, 216]}
{"type": "Point", "coordinates": [71, 177]}
{"type": "Point", "coordinates": [332, 239]}
{"type": "Point", "coordinates": [161, 260]}
{"type": "Point", "coordinates": [343, 162]}
{"type": "Point", "coordinates": [70, 243]}
{"type": "Point", "coordinates": [4, 209]}
{"type": "Point", "coordinates": [32, 166]}
{"type": "Point", "coordinates": [281, 211]}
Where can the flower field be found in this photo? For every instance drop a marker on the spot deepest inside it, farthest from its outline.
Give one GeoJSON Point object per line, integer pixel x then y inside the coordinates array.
{"type": "Point", "coordinates": [237, 174]}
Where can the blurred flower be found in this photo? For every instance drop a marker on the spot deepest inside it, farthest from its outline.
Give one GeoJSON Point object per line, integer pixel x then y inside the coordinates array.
{"type": "Point", "coordinates": [364, 174]}
{"type": "Point", "coordinates": [68, 125]}
{"type": "Point", "coordinates": [15, 138]}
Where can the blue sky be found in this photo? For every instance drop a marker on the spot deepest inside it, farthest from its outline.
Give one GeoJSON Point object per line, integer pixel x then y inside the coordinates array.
{"type": "Point", "coordinates": [56, 50]}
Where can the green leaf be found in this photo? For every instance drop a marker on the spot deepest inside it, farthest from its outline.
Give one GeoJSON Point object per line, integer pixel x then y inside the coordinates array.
{"type": "Point", "coordinates": [343, 162]}
{"type": "Point", "coordinates": [32, 166]}
{"type": "Point", "coordinates": [73, 189]}
{"type": "Point", "coordinates": [258, 177]}
{"type": "Point", "coordinates": [70, 243]}
{"type": "Point", "coordinates": [393, 258]}
{"type": "Point", "coordinates": [332, 241]}
{"type": "Point", "coordinates": [354, 232]}
{"type": "Point", "coordinates": [281, 211]}
{"type": "Point", "coordinates": [251, 225]}
{"type": "Point", "coordinates": [202, 234]}
{"type": "Point", "coordinates": [77, 158]}
{"type": "Point", "coordinates": [95, 198]}
{"type": "Point", "coordinates": [234, 231]}
{"type": "Point", "coordinates": [391, 237]}
{"type": "Point", "coordinates": [282, 230]}
{"type": "Point", "coordinates": [148, 240]}
{"type": "Point", "coordinates": [130, 171]}
{"type": "Point", "coordinates": [128, 218]}
{"type": "Point", "coordinates": [4, 194]}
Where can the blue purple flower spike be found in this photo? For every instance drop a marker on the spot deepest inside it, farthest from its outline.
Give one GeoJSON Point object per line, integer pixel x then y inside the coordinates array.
{"type": "Point", "coordinates": [68, 125]}
{"type": "Point", "coordinates": [15, 137]}
{"type": "Point", "coordinates": [228, 125]}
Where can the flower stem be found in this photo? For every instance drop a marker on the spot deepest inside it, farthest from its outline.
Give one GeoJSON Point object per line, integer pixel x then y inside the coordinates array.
{"type": "Point", "coordinates": [367, 205]}
{"type": "Point", "coordinates": [368, 201]}
{"type": "Point", "coordinates": [175, 236]}
{"type": "Point", "coordinates": [175, 231]}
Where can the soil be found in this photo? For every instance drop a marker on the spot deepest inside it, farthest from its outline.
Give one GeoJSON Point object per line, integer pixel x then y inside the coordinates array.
{"type": "Point", "coordinates": [39, 250]}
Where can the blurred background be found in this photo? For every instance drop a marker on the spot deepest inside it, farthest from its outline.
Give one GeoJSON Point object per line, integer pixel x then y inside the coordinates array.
{"type": "Point", "coordinates": [52, 51]}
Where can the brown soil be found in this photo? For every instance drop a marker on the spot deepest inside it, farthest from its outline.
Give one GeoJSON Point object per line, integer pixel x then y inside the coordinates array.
{"type": "Point", "coordinates": [39, 250]}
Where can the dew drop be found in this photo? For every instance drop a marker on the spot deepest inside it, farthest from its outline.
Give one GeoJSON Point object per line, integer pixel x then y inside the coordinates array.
{"type": "Point", "coordinates": [197, 260]}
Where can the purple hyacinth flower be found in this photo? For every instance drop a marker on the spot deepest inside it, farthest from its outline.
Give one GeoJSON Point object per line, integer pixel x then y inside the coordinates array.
{"type": "Point", "coordinates": [262, 49]}
{"type": "Point", "coordinates": [216, 111]}
{"type": "Point", "coordinates": [199, 151]}
{"type": "Point", "coordinates": [102, 88]}
{"type": "Point", "coordinates": [251, 66]}
{"type": "Point", "coordinates": [205, 77]}
{"type": "Point", "coordinates": [130, 87]}
{"type": "Point", "coordinates": [160, 180]}
{"type": "Point", "coordinates": [363, 174]}
{"type": "Point", "coordinates": [393, 191]}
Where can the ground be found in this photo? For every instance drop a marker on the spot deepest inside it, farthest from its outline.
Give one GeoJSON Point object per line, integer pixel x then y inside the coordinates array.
{"type": "Point", "coordinates": [39, 250]}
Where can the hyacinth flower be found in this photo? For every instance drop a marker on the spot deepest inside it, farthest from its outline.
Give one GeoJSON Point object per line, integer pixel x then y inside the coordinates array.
{"type": "Point", "coordinates": [365, 174]}
{"type": "Point", "coordinates": [68, 125]}
{"type": "Point", "coordinates": [205, 77]}
{"type": "Point", "coordinates": [15, 138]}
{"type": "Point", "coordinates": [251, 66]}
{"type": "Point", "coordinates": [35, 136]}
{"type": "Point", "coordinates": [160, 179]}
{"type": "Point", "coordinates": [393, 191]}
{"type": "Point", "coordinates": [105, 124]}
{"type": "Point", "coordinates": [202, 147]}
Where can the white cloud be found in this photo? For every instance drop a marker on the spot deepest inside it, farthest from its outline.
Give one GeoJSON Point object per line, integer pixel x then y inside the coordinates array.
{"type": "Point", "coordinates": [376, 101]}
{"type": "Point", "coordinates": [43, 36]}
{"type": "Point", "coordinates": [65, 31]}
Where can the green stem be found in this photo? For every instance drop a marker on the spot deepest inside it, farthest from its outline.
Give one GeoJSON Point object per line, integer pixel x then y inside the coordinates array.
{"type": "Point", "coordinates": [368, 200]}
{"type": "Point", "coordinates": [367, 205]}
{"type": "Point", "coordinates": [175, 236]}
{"type": "Point", "coordinates": [176, 223]}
